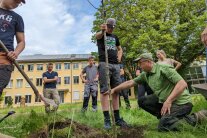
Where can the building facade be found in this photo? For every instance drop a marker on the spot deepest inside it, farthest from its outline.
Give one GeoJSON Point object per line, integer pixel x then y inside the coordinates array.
{"type": "Point", "coordinates": [70, 86]}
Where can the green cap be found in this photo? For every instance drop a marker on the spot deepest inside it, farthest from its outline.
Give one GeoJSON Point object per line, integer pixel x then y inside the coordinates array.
{"type": "Point", "coordinates": [144, 56]}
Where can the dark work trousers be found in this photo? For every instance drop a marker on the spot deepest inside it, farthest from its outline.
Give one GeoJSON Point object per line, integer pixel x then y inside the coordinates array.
{"type": "Point", "coordinates": [143, 89]}
{"type": "Point", "coordinates": [90, 89]}
{"type": "Point", "coordinates": [167, 122]}
{"type": "Point", "coordinates": [124, 93]}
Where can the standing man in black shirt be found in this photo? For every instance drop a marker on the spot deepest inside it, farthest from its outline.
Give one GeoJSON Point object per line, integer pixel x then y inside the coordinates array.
{"type": "Point", "coordinates": [114, 57]}
{"type": "Point", "coordinates": [50, 79]}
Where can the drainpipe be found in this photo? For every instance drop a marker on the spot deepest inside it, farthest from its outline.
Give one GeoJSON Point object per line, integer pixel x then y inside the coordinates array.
{"type": "Point", "coordinates": [71, 82]}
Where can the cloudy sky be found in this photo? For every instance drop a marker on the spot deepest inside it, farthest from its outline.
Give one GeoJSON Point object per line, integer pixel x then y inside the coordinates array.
{"type": "Point", "coordinates": [58, 26]}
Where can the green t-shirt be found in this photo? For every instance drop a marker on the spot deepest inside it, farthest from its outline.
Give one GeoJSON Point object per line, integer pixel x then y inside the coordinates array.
{"type": "Point", "coordinates": [162, 80]}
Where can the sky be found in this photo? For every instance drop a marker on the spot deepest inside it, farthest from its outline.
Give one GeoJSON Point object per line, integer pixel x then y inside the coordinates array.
{"type": "Point", "coordinates": [58, 26]}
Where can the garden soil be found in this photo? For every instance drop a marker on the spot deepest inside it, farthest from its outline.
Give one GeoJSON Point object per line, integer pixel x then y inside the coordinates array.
{"type": "Point", "coordinates": [61, 130]}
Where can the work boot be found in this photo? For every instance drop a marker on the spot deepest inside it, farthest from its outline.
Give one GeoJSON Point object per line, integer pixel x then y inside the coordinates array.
{"type": "Point", "coordinates": [191, 119]}
{"type": "Point", "coordinates": [120, 122]}
{"type": "Point", "coordinates": [201, 116]}
{"type": "Point", "coordinates": [107, 124]}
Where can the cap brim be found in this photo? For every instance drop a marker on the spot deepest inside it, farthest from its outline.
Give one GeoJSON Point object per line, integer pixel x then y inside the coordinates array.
{"type": "Point", "coordinates": [136, 60]}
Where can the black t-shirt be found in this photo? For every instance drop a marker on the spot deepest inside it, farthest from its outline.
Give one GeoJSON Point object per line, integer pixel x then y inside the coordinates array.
{"type": "Point", "coordinates": [10, 23]}
{"type": "Point", "coordinates": [50, 75]}
{"type": "Point", "coordinates": [112, 41]}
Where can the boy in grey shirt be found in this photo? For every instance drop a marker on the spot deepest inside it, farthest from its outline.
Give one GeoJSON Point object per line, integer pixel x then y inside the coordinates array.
{"type": "Point", "coordinates": [91, 84]}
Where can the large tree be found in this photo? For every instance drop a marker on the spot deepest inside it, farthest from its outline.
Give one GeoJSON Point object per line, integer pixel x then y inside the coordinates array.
{"type": "Point", "coordinates": [148, 25]}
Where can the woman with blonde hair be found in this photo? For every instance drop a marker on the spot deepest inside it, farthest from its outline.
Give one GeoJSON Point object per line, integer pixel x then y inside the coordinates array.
{"type": "Point", "coordinates": [162, 59]}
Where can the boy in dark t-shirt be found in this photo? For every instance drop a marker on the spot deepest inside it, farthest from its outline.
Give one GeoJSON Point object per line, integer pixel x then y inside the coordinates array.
{"type": "Point", "coordinates": [114, 57]}
{"type": "Point", "coordinates": [50, 91]}
{"type": "Point", "coordinates": [11, 24]}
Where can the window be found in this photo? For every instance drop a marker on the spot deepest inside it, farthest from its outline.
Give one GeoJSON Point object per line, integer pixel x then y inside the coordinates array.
{"type": "Point", "coordinates": [38, 81]}
{"type": "Point", "coordinates": [19, 83]}
{"type": "Point", "coordinates": [76, 95]}
{"type": "Point", "coordinates": [59, 80]}
{"type": "Point", "coordinates": [84, 64]}
{"type": "Point", "coordinates": [10, 84]}
{"type": "Point", "coordinates": [75, 65]}
{"type": "Point", "coordinates": [27, 84]}
{"type": "Point", "coordinates": [67, 80]}
{"type": "Point", "coordinates": [21, 66]}
{"type": "Point", "coordinates": [7, 99]}
{"type": "Point", "coordinates": [28, 98]}
{"type": "Point", "coordinates": [37, 99]}
{"type": "Point", "coordinates": [61, 94]}
{"type": "Point", "coordinates": [58, 66]}
{"type": "Point", "coordinates": [39, 67]}
{"type": "Point", "coordinates": [30, 67]}
{"type": "Point", "coordinates": [17, 99]}
{"type": "Point", "coordinates": [76, 79]}
{"type": "Point", "coordinates": [67, 65]}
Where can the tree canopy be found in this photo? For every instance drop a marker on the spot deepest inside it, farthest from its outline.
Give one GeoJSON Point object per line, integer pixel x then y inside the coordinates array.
{"type": "Point", "coordinates": [148, 25]}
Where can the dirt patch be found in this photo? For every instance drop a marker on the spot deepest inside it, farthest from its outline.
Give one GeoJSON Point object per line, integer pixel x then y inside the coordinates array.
{"type": "Point", "coordinates": [40, 134]}
{"type": "Point", "coordinates": [61, 130]}
{"type": "Point", "coordinates": [132, 132]}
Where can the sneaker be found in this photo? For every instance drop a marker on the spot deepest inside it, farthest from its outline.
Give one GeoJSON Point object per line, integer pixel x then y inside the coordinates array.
{"type": "Point", "coordinates": [120, 122]}
{"type": "Point", "coordinates": [201, 116]}
{"type": "Point", "coordinates": [107, 124]}
{"type": "Point", "coordinates": [191, 119]}
{"type": "Point", "coordinates": [94, 109]}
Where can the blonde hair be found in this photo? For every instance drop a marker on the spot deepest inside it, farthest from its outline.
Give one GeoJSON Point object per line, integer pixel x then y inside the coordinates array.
{"type": "Point", "coordinates": [162, 52]}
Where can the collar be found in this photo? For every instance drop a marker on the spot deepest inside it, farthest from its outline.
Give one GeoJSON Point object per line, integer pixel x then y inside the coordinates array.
{"type": "Point", "coordinates": [153, 71]}
{"type": "Point", "coordinates": [49, 72]}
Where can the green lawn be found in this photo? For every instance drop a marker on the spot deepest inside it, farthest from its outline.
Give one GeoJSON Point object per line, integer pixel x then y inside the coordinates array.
{"type": "Point", "coordinates": [30, 119]}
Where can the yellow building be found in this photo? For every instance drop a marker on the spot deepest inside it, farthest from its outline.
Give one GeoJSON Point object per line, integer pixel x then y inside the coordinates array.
{"type": "Point", "coordinates": [70, 86]}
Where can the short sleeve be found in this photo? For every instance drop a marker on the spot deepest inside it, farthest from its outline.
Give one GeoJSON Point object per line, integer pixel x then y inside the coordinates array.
{"type": "Point", "coordinates": [171, 74]}
{"type": "Point", "coordinates": [117, 41]}
{"type": "Point", "coordinates": [140, 78]}
{"type": "Point", "coordinates": [56, 74]}
{"type": "Point", "coordinates": [20, 24]}
{"type": "Point", "coordinates": [44, 75]}
{"type": "Point", "coordinates": [84, 70]}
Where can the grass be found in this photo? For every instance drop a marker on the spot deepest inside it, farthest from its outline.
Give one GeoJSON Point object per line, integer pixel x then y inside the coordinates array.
{"type": "Point", "coordinates": [31, 119]}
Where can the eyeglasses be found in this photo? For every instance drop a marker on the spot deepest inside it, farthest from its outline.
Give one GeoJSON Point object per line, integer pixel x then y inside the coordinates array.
{"type": "Point", "coordinates": [110, 26]}
{"type": "Point", "coordinates": [141, 61]}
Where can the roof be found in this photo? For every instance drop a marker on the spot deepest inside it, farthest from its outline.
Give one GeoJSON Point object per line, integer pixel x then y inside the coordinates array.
{"type": "Point", "coordinates": [59, 57]}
